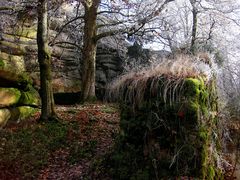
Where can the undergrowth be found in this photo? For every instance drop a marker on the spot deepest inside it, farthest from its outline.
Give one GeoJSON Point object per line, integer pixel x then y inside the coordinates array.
{"type": "Point", "coordinates": [29, 149]}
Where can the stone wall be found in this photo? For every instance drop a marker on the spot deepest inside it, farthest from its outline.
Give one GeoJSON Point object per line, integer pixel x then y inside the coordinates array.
{"type": "Point", "coordinates": [169, 127]}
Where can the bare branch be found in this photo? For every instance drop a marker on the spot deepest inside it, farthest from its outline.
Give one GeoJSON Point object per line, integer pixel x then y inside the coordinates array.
{"type": "Point", "coordinates": [64, 26]}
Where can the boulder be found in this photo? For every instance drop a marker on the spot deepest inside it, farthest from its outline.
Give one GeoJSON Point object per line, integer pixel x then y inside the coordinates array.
{"type": "Point", "coordinates": [5, 115]}
{"type": "Point", "coordinates": [18, 98]}
{"type": "Point", "coordinates": [9, 96]}
{"type": "Point", "coordinates": [12, 62]}
{"type": "Point", "coordinates": [30, 97]}
{"type": "Point", "coordinates": [15, 114]}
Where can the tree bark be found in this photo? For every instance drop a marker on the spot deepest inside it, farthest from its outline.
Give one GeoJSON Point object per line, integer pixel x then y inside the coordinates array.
{"type": "Point", "coordinates": [194, 26]}
{"type": "Point", "coordinates": [47, 111]}
{"type": "Point", "coordinates": [89, 50]}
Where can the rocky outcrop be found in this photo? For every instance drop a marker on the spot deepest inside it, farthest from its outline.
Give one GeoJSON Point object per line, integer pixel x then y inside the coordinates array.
{"type": "Point", "coordinates": [18, 50]}
{"type": "Point", "coordinates": [109, 65]}
{"type": "Point", "coordinates": [19, 99]}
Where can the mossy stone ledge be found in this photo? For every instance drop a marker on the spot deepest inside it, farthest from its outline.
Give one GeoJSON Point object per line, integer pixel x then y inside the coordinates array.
{"type": "Point", "coordinates": [9, 96]}
{"type": "Point", "coordinates": [167, 132]}
{"type": "Point", "coordinates": [18, 98]}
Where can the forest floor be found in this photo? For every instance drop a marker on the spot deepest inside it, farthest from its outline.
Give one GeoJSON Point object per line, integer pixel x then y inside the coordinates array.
{"type": "Point", "coordinates": [72, 149]}
{"type": "Point", "coordinates": [231, 149]}
{"type": "Point", "coordinates": [77, 147]}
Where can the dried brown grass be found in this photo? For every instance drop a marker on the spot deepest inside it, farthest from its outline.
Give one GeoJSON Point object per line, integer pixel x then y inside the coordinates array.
{"type": "Point", "coordinates": [165, 77]}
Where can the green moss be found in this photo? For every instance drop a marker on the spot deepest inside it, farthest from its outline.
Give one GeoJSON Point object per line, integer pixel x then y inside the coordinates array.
{"type": "Point", "coordinates": [13, 91]}
{"type": "Point", "coordinates": [29, 32]}
{"type": "Point", "coordinates": [214, 173]}
{"type": "Point", "coordinates": [24, 81]}
{"type": "Point", "coordinates": [25, 78]}
{"type": "Point", "coordinates": [197, 95]}
{"type": "Point", "coordinates": [203, 135]}
{"type": "Point", "coordinates": [209, 169]}
{"type": "Point", "coordinates": [2, 64]}
{"type": "Point", "coordinates": [109, 109]}
{"type": "Point", "coordinates": [204, 160]}
{"type": "Point", "coordinates": [26, 111]}
{"type": "Point", "coordinates": [9, 96]}
{"type": "Point", "coordinates": [192, 87]}
{"type": "Point", "coordinates": [30, 97]}
{"type": "Point", "coordinates": [192, 112]}
{"type": "Point", "coordinates": [211, 173]}
{"type": "Point", "coordinates": [163, 129]}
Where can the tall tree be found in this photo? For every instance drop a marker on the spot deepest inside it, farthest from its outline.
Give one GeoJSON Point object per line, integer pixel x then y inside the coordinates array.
{"type": "Point", "coordinates": [48, 111]}
{"type": "Point", "coordinates": [89, 49]}
{"type": "Point", "coordinates": [123, 20]}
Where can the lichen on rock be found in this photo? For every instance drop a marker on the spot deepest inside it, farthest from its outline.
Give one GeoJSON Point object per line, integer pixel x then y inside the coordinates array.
{"type": "Point", "coordinates": [9, 96]}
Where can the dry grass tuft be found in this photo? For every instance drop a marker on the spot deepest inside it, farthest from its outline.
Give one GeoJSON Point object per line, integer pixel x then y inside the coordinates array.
{"type": "Point", "coordinates": [167, 76]}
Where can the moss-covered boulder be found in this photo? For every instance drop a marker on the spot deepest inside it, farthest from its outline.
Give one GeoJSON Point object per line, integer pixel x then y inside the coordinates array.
{"type": "Point", "coordinates": [30, 97]}
{"type": "Point", "coordinates": [13, 79]}
{"type": "Point", "coordinates": [12, 63]}
{"type": "Point", "coordinates": [5, 115]}
{"type": "Point", "coordinates": [168, 126]}
{"type": "Point", "coordinates": [16, 105]}
{"type": "Point", "coordinates": [15, 114]}
{"type": "Point", "coordinates": [18, 98]}
{"type": "Point", "coordinates": [9, 96]}
{"type": "Point", "coordinates": [21, 113]}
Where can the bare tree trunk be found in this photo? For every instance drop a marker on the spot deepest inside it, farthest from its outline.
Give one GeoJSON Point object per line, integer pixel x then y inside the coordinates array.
{"type": "Point", "coordinates": [48, 111]}
{"type": "Point", "coordinates": [89, 50]}
{"type": "Point", "coordinates": [194, 26]}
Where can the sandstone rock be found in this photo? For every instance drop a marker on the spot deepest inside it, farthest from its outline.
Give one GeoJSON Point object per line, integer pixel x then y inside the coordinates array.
{"type": "Point", "coordinates": [18, 99]}
{"type": "Point", "coordinates": [18, 52]}
{"type": "Point", "coordinates": [27, 32]}
{"type": "Point", "coordinates": [12, 62]}
{"type": "Point", "coordinates": [30, 97]}
{"type": "Point", "coordinates": [12, 48]}
{"type": "Point", "coordinates": [12, 79]}
{"type": "Point", "coordinates": [5, 115]}
{"type": "Point", "coordinates": [21, 113]}
{"type": "Point", "coordinates": [15, 114]}
{"type": "Point", "coordinates": [9, 96]}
